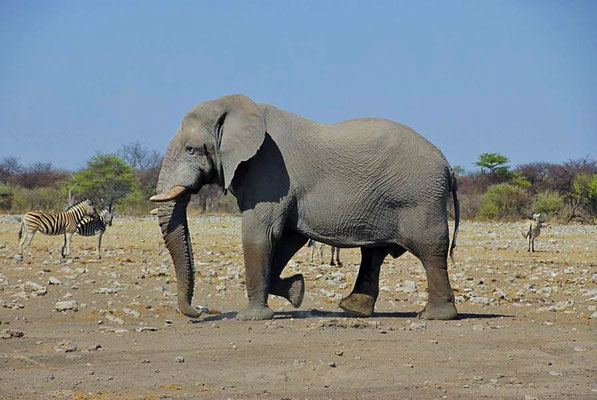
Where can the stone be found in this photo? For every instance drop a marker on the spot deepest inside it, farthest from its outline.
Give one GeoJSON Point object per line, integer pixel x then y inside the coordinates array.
{"type": "Point", "coordinates": [146, 329]}
{"type": "Point", "coordinates": [179, 359]}
{"type": "Point", "coordinates": [68, 305]}
{"type": "Point", "coordinates": [11, 333]}
{"type": "Point", "coordinates": [131, 312]}
{"type": "Point", "coordinates": [54, 281]}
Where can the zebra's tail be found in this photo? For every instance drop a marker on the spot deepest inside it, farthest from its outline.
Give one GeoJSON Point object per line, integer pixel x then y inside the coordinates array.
{"type": "Point", "coordinates": [21, 231]}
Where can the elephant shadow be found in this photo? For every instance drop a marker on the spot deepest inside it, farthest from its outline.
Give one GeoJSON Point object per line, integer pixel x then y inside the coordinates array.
{"type": "Point", "coordinates": [314, 313]}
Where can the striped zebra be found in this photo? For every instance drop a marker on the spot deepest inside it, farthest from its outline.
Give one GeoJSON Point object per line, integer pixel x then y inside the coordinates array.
{"type": "Point", "coordinates": [335, 250]}
{"type": "Point", "coordinates": [90, 226]}
{"type": "Point", "coordinates": [64, 223]}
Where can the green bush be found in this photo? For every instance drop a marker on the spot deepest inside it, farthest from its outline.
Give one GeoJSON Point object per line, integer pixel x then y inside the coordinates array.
{"type": "Point", "coordinates": [134, 204]}
{"type": "Point", "coordinates": [549, 203]}
{"type": "Point", "coordinates": [503, 201]}
{"type": "Point", "coordinates": [44, 199]}
{"type": "Point", "coordinates": [5, 198]}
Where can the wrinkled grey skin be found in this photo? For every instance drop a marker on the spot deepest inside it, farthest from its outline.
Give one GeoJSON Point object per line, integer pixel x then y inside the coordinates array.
{"type": "Point", "coordinates": [368, 183]}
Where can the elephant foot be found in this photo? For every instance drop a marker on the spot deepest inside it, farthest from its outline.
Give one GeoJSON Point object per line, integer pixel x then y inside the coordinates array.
{"type": "Point", "coordinates": [253, 313]}
{"type": "Point", "coordinates": [358, 304]}
{"type": "Point", "coordinates": [439, 311]}
{"type": "Point", "coordinates": [292, 289]}
{"type": "Point", "coordinates": [296, 292]}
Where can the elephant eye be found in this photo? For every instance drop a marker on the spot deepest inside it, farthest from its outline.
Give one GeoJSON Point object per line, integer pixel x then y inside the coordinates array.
{"type": "Point", "coordinates": [190, 149]}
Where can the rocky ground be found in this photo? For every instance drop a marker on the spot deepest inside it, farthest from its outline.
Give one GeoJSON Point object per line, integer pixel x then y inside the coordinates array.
{"type": "Point", "coordinates": [104, 329]}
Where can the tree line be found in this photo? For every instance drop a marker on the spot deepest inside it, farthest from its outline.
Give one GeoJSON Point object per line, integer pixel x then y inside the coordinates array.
{"type": "Point", "coordinates": [124, 179]}
{"type": "Point", "coordinates": [127, 178]}
{"type": "Point", "coordinates": [562, 192]}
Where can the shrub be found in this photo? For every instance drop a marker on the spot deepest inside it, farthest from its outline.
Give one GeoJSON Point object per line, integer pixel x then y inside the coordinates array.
{"type": "Point", "coordinates": [549, 203]}
{"type": "Point", "coordinates": [45, 199]}
{"type": "Point", "coordinates": [503, 201]}
{"type": "Point", "coordinates": [5, 198]}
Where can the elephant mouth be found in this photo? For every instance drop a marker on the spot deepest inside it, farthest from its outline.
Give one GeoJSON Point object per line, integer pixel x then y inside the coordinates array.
{"type": "Point", "coordinates": [174, 193]}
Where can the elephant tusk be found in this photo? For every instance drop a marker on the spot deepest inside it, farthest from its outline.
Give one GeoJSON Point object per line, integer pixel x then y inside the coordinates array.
{"type": "Point", "coordinates": [154, 211]}
{"type": "Point", "coordinates": [175, 192]}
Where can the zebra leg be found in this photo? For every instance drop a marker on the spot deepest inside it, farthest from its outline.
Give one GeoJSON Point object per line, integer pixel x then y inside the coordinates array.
{"type": "Point", "coordinates": [22, 237]}
{"type": "Point", "coordinates": [63, 247]}
{"type": "Point", "coordinates": [321, 250]}
{"type": "Point", "coordinates": [99, 245]}
{"type": "Point", "coordinates": [28, 237]}
{"type": "Point", "coordinates": [312, 252]}
{"type": "Point", "coordinates": [67, 238]}
{"type": "Point", "coordinates": [338, 257]}
{"type": "Point", "coordinates": [332, 254]}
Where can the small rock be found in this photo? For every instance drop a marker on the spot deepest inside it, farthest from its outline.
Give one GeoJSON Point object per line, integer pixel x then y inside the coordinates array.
{"type": "Point", "coordinates": [95, 347]}
{"type": "Point", "coordinates": [112, 318]}
{"type": "Point", "coordinates": [34, 287]}
{"type": "Point", "coordinates": [179, 359]}
{"type": "Point", "coordinates": [146, 329]}
{"type": "Point", "coordinates": [68, 305]}
{"type": "Point", "coordinates": [11, 333]}
{"type": "Point", "coordinates": [555, 373]}
{"type": "Point", "coordinates": [131, 312]}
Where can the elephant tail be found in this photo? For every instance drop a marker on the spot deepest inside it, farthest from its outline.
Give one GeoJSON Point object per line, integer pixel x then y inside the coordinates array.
{"type": "Point", "coordinates": [454, 190]}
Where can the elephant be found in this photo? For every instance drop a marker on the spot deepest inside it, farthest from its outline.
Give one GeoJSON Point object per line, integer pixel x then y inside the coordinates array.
{"type": "Point", "coordinates": [369, 183]}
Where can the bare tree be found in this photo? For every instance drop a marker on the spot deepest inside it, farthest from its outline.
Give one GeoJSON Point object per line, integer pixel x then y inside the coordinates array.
{"type": "Point", "coordinates": [139, 156]}
{"type": "Point", "coordinates": [9, 166]}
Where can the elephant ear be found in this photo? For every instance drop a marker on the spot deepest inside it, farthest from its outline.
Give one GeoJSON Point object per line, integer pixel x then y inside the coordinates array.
{"type": "Point", "coordinates": [240, 131]}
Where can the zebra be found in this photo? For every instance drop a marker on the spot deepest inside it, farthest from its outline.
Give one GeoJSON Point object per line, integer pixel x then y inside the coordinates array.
{"type": "Point", "coordinates": [533, 230]}
{"type": "Point", "coordinates": [90, 226]}
{"type": "Point", "coordinates": [64, 223]}
{"type": "Point", "coordinates": [312, 243]}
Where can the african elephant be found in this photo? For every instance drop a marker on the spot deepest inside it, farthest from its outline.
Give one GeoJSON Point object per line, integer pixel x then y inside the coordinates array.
{"type": "Point", "coordinates": [368, 183]}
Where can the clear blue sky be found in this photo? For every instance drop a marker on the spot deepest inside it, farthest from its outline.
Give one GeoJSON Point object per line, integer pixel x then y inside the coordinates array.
{"type": "Point", "coordinates": [514, 77]}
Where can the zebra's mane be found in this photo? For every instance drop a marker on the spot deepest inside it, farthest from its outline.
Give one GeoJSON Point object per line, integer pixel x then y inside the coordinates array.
{"type": "Point", "coordinates": [76, 204]}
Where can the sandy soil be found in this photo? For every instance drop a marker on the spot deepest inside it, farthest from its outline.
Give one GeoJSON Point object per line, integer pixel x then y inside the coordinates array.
{"type": "Point", "coordinates": [527, 327]}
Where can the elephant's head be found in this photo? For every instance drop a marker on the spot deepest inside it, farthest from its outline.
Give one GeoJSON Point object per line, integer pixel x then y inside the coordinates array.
{"type": "Point", "coordinates": [213, 139]}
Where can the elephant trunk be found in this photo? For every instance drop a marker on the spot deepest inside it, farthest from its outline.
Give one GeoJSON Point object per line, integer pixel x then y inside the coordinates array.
{"type": "Point", "coordinates": [175, 231]}
{"type": "Point", "coordinates": [172, 216]}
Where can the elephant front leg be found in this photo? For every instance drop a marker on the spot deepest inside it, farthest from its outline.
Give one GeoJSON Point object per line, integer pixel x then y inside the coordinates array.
{"type": "Point", "coordinates": [361, 301]}
{"type": "Point", "coordinates": [440, 303]}
{"type": "Point", "coordinates": [291, 288]}
{"type": "Point", "coordinates": [257, 250]}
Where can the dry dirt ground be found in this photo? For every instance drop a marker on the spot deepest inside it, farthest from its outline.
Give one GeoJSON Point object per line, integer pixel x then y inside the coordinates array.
{"type": "Point", "coordinates": [527, 327]}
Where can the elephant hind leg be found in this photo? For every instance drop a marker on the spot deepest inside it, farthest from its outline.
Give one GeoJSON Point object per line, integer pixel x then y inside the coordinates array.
{"type": "Point", "coordinates": [291, 288]}
{"type": "Point", "coordinates": [440, 303]}
{"type": "Point", "coordinates": [361, 300]}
